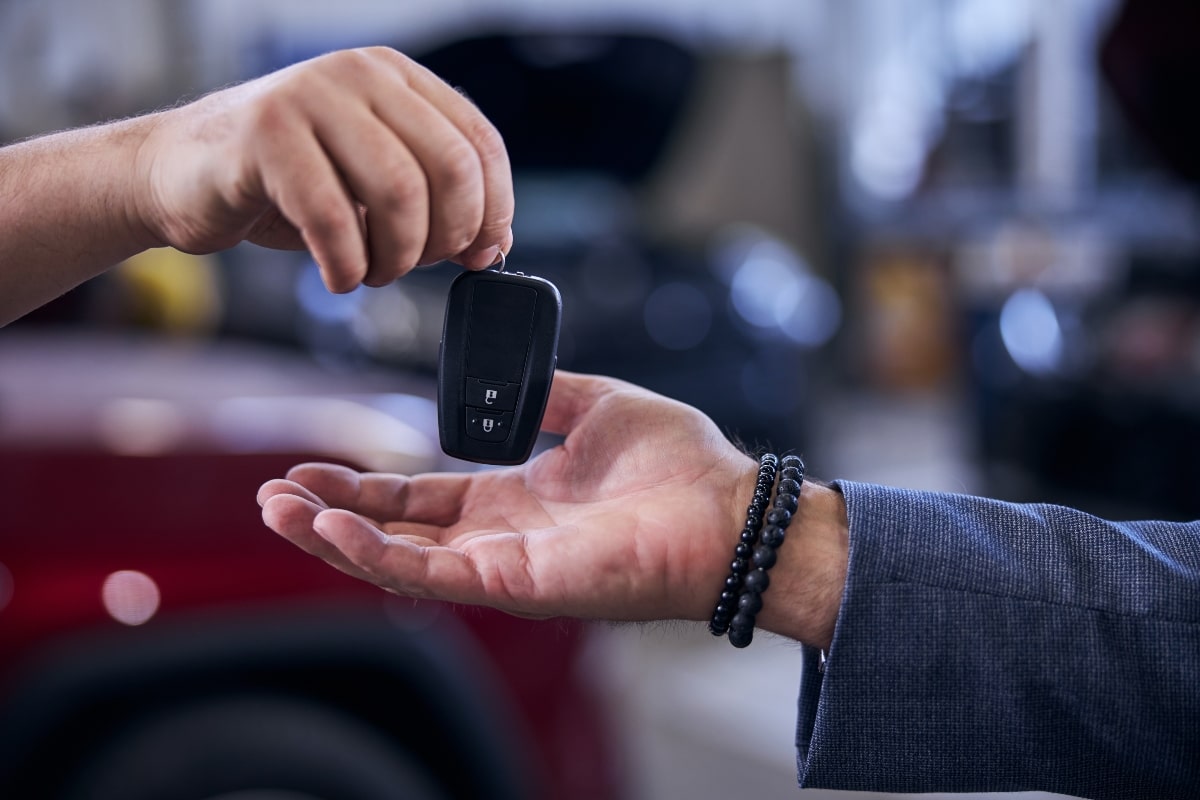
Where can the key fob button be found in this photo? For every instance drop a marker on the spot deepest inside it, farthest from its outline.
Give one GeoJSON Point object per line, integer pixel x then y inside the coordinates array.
{"type": "Point", "coordinates": [492, 396]}
{"type": "Point", "coordinates": [488, 426]}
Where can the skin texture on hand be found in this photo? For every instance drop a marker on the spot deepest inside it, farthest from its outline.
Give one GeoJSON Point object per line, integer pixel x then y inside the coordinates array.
{"type": "Point", "coordinates": [363, 157]}
{"type": "Point", "coordinates": [633, 517]}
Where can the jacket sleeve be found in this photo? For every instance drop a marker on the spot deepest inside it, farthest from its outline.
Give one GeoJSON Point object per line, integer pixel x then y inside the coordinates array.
{"type": "Point", "coordinates": [990, 646]}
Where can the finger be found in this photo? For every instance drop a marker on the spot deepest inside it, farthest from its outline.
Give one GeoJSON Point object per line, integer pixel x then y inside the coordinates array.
{"type": "Point", "coordinates": [292, 517]}
{"type": "Point", "coordinates": [399, 564]}
{"type": "Point", "coordinates": [385, 174]}
{"type": "Point", "coordinates": [453, 169]}
{"type": "Point", "coordinates": [274, 231]}
{"type": "Point", "coordinates": [487, 257]}
{"type": "Point", "coordinates": [279, 486]}
{"type": "Point", "coordinates": [299, 179]}
{"type": "Point", "coordinates": [442, 573]}
{"type": "Point", "coordinates": [495, 230]}
{"type": "Point", "coordinates": [433, 499]}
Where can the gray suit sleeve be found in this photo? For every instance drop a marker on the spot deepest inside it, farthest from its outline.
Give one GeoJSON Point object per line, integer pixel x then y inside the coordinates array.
{"type": "Point", "coordinates": [990, 646]}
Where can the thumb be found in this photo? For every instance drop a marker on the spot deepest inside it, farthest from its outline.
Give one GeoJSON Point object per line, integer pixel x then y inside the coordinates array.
{"type": "Point", "coordinates": [572, 396]}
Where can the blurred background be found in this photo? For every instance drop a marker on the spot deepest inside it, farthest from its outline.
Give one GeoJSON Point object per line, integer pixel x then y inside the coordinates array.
{"type": "Point", "coordinates": [944, 244]}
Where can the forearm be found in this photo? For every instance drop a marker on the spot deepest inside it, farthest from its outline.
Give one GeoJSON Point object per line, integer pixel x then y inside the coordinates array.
{"type": "Point", "coordinates": [68, 211]}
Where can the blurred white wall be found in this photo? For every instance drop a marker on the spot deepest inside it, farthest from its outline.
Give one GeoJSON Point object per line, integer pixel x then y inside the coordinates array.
{"type": "Point", "coordinates": [59, 59]}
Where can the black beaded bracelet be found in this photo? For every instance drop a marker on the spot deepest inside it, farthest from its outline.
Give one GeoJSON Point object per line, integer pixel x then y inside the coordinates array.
{"type": "Point", "coordinates": [743, 553]}
{"type": "Point", "coordinates": [763, 557]}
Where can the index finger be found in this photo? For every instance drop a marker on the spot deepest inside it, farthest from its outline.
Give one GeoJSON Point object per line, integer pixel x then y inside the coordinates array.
{"type": "Point", "coordinates": [495, 232]}
{"type": "Point", "coordinates": [434, 499]}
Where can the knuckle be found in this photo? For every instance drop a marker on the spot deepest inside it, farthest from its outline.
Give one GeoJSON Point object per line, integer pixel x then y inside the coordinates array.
{"type": "Point", "coordinates": [403, 195]}
{"type": "Point", "coordinates": [271, 114]}
{"type": "Point", "coordinates": [329, 220]}
{"type": "Point", "coordinates": [386, 55]}
{"type": "Point", "coordinates": [365, 66]}
{"type": "Point", "coordinates": [459, 167]}
{"type": "Point", "coordinates": [350, 63]}
{"type": "Point", "coordinates": [488, 142]}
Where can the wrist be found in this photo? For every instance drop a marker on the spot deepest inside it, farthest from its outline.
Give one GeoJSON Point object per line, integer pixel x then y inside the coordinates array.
{"type": "Point", "coordinates": [143, 208]}
{"type": "Point", "coordinates": [806, 565]}
{"type": "Point", "coordinates": [712, 568]}
{"type": "Point", "coordinates": [809, 577]}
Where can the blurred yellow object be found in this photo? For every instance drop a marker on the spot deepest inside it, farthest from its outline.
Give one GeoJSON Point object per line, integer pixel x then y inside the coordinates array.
{"type": "Point", "coordinates": [172, 290]}
{"type": "Point", "coordinates": [911, 339]}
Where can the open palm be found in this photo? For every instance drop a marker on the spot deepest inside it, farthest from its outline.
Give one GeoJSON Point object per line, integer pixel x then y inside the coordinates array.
{"type": "Point", "coordinates": [632, 517]}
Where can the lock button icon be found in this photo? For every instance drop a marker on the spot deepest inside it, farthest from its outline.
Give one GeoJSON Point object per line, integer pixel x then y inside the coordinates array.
{"type": "Point", "coordinates": [488, 426]}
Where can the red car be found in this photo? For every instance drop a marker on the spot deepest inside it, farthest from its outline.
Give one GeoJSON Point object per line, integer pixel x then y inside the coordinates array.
{"type": "Point", "coordinates": [159, 643]}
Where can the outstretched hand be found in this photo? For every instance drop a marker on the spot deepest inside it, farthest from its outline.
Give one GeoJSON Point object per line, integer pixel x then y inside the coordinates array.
{"type": "Point", "coordinates": [632, 517]}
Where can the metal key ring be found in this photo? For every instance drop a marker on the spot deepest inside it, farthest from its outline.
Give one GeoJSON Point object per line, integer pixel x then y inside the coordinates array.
{"type": "Point", "coordinates": [503, 262]}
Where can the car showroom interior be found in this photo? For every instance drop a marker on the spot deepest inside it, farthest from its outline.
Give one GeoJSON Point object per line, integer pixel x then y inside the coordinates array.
{"type": "Point", "coordinates": [942, 245]}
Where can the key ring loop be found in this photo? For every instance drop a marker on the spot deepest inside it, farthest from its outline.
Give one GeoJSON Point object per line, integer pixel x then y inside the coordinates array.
{"type": "Point", "coordinates": [503, 262]}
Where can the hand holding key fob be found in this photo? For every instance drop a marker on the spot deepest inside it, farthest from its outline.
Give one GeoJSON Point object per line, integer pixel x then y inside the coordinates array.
{"type": "Point", "coordinates": [497, 358]}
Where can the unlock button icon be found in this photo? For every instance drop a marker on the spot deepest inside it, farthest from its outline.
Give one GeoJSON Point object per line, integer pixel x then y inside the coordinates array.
{"type": "Point", "coordinates": [491, 395]}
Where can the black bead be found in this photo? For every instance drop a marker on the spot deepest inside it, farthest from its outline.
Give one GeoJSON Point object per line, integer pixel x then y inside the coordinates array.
{"type": "Point", "coordinates": [750, 602]}
{"type": "Point", "coordinates": [791, 474]}
{"type": "Point", "coordinates": [740, 599]}
{"type": "Point", "coordinates": [757, 581]}
{"type": "Point", "coordinates": [764, 556]}
{"type": "Point", "coordinates": [742, 622]}
{"type": "Point", "coordinates": [773, 535]}
{"type": "Point", "coordinates": [779, 516]}
{"type": "Point", "coordinates": [741, 639]}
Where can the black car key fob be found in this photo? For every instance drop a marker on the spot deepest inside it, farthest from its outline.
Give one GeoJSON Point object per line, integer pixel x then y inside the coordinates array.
{"type": "Point", "coordinates": [497, 358]}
